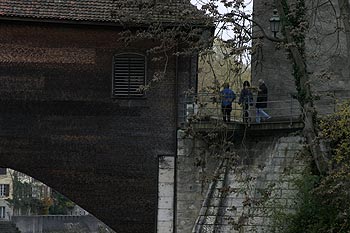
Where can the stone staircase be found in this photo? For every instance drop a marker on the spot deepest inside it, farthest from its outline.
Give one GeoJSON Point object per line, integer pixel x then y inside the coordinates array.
{"type": "Point", "coordinates": [8, 227]}
{"type": "Point", "coordinates": [211, 218]}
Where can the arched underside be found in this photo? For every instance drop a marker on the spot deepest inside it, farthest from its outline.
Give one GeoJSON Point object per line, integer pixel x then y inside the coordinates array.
{"type": "Point", "coordinates": [60, 124]}
{"type": "Point", "coordinates": [88, 159]}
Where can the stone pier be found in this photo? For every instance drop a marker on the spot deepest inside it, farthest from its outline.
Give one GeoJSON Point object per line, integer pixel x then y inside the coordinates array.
{"type": "Point", "coordinates": [213, 196]}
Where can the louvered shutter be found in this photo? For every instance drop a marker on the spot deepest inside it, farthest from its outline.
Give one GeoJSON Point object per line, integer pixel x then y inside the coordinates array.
{"type": "Point", "coordinates": [128, 75]}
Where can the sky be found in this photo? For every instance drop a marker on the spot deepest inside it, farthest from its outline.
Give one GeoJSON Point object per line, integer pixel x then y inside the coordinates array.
{"type": "Point", "coordinates": [222, 9]}
{"type": "Point", "coordinates": [198, 3]}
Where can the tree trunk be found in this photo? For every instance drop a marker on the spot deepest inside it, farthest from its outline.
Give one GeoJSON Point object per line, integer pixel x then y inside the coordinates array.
{"type": "Point", "coordinates": [307, 105]}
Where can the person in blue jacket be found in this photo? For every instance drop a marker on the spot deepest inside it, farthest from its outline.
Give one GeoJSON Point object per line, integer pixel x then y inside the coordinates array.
{"type": "Point", "coordinates": [227, 97]}
{"type": "Point", "coordinates": [246, 100]}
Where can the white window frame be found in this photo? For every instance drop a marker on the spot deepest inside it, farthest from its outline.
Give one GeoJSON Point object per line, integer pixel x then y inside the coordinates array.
{"type": "Point", "coordinates": [3, 190]}
{"type": "Point", "coordinates": [3, 171]}
{"type": "Point", "coordinates": [2, 212]}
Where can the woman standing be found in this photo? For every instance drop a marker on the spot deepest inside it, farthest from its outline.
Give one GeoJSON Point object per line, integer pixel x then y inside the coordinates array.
{"type": "Point", "coordinates": [246, 99]}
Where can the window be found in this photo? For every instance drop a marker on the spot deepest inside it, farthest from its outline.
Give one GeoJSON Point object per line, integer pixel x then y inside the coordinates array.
{"type": "Point", "coordinates": [35, 191]}
{"type": "Point", "coordinates": [128, 75]}
{"type": "Point", "coordinates": [2, 212]}
{"type": "Point", "coordinates": [2, 171]}
{"type": "Point", "coordinates": [4, 190]}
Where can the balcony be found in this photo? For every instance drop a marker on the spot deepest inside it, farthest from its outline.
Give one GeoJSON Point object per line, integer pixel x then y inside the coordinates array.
{"type": "Point", "coordinates": [203, 112]}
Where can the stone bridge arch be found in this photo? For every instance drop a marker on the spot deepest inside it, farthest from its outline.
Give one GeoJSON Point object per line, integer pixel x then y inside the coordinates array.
{"type": "Point", "coordinates": [60, 124]}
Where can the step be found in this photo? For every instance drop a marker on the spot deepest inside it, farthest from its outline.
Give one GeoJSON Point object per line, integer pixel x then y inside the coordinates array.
{"type": "Point", "coordinates": [8, 227]}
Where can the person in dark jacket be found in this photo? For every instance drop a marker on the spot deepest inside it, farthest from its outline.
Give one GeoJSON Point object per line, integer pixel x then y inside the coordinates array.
{"type": "Point", "coordinates": [227, 97]}
{"type": "Point", "coordinates": [261, 102]}
{"type": "Point", "coordinates": [246, 100]}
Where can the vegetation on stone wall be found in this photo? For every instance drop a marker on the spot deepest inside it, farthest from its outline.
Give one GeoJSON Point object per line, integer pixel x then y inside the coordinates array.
{"type": "Point", "coordinates": [26, 198]}
{"type": "Point", "coordinates": [295, 25]}
{"type": "Point", "coordinates": [323, 201]}
{"type": "Point", "coordinates": [61, 204]}
{"type": "Point", "coordinates": [317, 189]}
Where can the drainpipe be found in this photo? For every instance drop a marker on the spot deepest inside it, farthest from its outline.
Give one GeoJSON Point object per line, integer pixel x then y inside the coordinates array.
{"type": "Point", "coordinates": [176, 135]}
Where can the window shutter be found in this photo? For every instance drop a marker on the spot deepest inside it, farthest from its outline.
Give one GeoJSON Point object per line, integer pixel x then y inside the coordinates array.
{"type": "Point", "coordinates": [129, 75]}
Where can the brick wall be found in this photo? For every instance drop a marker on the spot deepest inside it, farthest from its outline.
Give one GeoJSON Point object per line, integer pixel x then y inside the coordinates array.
{"type": "Point", "coordinates": [59, 124]}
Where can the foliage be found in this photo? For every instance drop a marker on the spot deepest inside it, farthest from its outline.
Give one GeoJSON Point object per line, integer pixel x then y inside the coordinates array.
{"type": "Point", "coordinates": [296, 19]}
{"type": "Point", "coordinates": [24, 200]}
{"type": "Point", "coordinates": [311, 215]}
{"type": "Point", "coordinates": [47, 203]}
{"type": "Point", "coordinates": [227, 60]}
{"type": "Point", "coordinates": [61, 204]}
{"type": "Point", "coordinates": [232, 41]}
{"type": "Point", "coordinates": [223, 61]}
{"type": "Point", "coordinates": [219, 67]}
{"type": "Point", "coordinates": [323, 202]}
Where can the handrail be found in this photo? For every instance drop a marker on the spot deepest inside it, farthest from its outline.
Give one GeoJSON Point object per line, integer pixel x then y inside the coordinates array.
{"type": "Point", "coordinates": [207, 107]}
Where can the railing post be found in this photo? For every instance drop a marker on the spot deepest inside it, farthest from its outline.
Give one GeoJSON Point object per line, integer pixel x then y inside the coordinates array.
{"type": "Point", "coordinates": [291, 111]}
{"type": "Point", "coordinates": [334, 102]}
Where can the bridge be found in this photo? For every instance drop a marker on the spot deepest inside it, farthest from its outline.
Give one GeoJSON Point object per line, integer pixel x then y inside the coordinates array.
{"type": "Point", "coordinates": [120, 157]}
{"type": "Point", "coordinates": [61, 124]}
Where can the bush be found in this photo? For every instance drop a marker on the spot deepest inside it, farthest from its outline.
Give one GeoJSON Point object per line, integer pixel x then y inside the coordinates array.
{"type": "Point", "coordinates": [323, 202]}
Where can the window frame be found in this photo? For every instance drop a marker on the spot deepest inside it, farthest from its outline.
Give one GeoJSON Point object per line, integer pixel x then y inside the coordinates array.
{"type": "Point", "coordinates": [4, 190]}
{"type": "Point", "coordinates": [3, 171]}
{"type": "Point", "coordinates": [114, 88]}
{"type": "Point", "coordinates": [2, 212]}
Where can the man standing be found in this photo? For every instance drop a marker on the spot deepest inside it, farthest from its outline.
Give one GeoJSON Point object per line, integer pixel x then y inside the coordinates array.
{"type": "Point", "coordinates": [227, 97]}
{"type": "Point", "coordinates": [261, 102]}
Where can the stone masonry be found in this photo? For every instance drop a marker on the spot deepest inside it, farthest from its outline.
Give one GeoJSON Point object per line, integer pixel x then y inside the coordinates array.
{"type": "Point", "coordinates": [325, 54]}
{"type": "Point", "coordinates": [194, 167]}
{"type": "Point", "coordinates": [266, 164]}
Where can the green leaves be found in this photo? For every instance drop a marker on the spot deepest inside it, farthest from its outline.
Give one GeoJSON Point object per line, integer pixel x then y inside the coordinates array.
{"type": "Point", "coordinates": [323, 203]}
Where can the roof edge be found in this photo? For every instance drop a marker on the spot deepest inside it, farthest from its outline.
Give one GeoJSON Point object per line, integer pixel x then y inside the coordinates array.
{"type": "Point", "coordinates": [97, 23]}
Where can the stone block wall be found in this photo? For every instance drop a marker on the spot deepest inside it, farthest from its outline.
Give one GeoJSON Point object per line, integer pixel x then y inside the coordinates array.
{"type": "Point", "coordinates": [166, 193]}
{"type": "Point", "coordinates": [266, 164]}
{"type": "Point", "coordinates": [325, 55]}
{"type": "Point", "coordinates": [59, 224]}
{"type": "Point", "coordinates": [194, 169]}
{"type": "Point", "coordinates": [273, 169]}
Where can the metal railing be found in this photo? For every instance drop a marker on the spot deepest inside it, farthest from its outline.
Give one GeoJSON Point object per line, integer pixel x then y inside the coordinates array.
{"type": "Point", "coordinates": [205, 107]}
